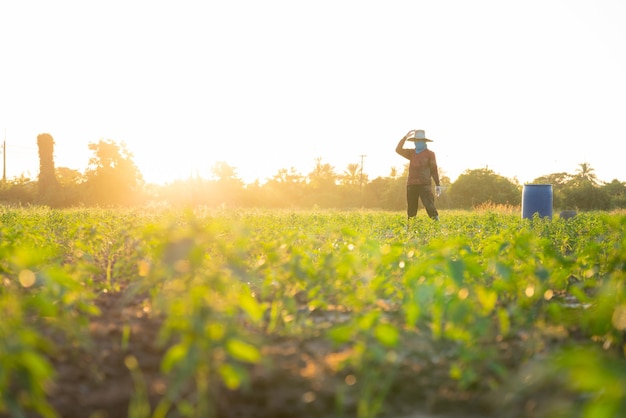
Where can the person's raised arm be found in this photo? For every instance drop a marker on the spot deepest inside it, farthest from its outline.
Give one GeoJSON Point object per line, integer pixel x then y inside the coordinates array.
{"type": "Point", "coordinates": [400, 145]}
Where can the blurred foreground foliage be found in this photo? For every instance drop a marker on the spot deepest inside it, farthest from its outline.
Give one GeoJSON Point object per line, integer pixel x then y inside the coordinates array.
{"type": "Point", "coordinates": [484, 307]}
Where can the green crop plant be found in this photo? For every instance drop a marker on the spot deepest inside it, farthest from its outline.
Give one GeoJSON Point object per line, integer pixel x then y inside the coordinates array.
{"type": "Point", "coordinates": [371, 366]}
{"type": "Point", "coordinates": [37, 293]}
{"type": "Point", "coordinates": [197, 283]}
{"type": "Point", "coordinates": [479, 298]}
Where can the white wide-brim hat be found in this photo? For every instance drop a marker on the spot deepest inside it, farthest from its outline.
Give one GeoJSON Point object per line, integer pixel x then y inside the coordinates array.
{"type": "Point", "coordinates": [418, 135]}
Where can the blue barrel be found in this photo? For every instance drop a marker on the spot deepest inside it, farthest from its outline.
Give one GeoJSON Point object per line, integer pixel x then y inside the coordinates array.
{"type": "Point", "coordinates": [537, 198]}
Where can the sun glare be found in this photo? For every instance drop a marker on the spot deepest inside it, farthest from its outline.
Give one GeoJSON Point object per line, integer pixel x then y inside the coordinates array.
{"type": "Point", "coordinates": [186, 86]}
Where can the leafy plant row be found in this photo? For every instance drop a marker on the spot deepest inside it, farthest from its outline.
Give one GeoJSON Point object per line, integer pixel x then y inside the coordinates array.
{"type": "Point", "coordinates": [500, 305]}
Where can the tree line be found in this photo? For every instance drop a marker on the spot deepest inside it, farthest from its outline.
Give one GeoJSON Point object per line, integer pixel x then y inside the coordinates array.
{"type": "Point", "coordinates": [113, 179]}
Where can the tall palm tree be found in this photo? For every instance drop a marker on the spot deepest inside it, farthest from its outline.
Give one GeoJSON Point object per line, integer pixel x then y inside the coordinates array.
{"type": "Point", "coordinates": [352, 174]}
{"type": "Point", "coordinates": [586, 173]}
{"type": "Point", "coordinates": [323, 174]}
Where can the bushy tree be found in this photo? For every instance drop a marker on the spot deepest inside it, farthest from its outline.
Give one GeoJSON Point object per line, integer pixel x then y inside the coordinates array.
{"type": "Point", "coordinates": [578, 191]}
{"type": "Point", "coordinates": [285, 189]}
{"type": "Point", "coordinates": [388, 193]}
{"type": "Point", "coordinates": [112, 177]}
{"type": "Point", "coordinates": [323, 175]}
{"type": "Point", "coordinates": [616, 190]}
{"type": "Point", "coordinates": [227, 187]}
{"type": "Point", "coordinates": [21, 190]}
{"type": "Point", "coordinates": [584, 195]}
{"type": "Point", "coordinates": [68, 177]}
{"type": "Point", "coordinates": [480, 186]}
{"type": "Point", "coordinates": [70, 183]}
{"type": "Point", "coordinates": [323, 185]}
{"type": "Point", "coordinates": [555, 179]}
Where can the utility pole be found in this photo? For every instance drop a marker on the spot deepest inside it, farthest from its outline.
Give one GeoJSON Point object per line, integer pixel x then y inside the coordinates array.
{"type": "Point", "coordinates": [361, 177]}
{"type": "Point", "coordinates": [4, 158]}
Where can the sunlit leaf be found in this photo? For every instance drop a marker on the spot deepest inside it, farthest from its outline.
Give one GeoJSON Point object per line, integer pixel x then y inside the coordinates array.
{"type": "Point", "coordinates": [216, 331]}
{"type": "Point", "coordinates": [231, 376]}
{"type": "Point", "coordinates": [173, 356]}
{"type": "Point", "coordinates": [37, 365]}
{"type": "Point", "coordinates": [251, 306]}
{"type": "Point", "coordinates": [341, 334]}
{"type": "Point", "coordinates": [487, 298]}
{"type": "Point", "coordinates": [242, 351]}
{"type": "Point", "coordinates": [367, 321]}
{"type": "Point", "coordinates": [412, 313]}
{"type": "Point", "coordinates": [387, 334]}
{"type": "Point", "coordinates": [504, 322]}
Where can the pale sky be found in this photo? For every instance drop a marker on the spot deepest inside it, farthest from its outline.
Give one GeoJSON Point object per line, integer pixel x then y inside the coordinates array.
{"type": "Point", "coordinates": [525, 88]}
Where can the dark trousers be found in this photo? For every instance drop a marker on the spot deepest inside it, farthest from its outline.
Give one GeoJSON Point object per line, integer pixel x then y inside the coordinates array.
{"type": "Point", "coordinates": [414, 192]}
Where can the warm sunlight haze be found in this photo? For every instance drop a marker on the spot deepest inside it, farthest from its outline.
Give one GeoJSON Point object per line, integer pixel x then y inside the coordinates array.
{"type": "Point", "coordinates": [523, 88]}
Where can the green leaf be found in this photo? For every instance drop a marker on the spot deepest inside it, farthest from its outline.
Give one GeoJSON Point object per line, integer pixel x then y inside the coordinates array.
{"type": "Point", "coordinates": [487, 298]}
{"type": "Point", "coordinates": [367, 321]}
{"type": "Point", "coordinates": [37, 365]}
{"type": "Point", "coordinates": [251, 307]}
{"type": "Point", "coordinates": [232, 376]}
{"type": "Point", "coordinates": [412, 312]}
{"type": "Point", "coordinates": [243, 351]}
{"type": "Point", "coordinates": [505, 322]}
{"type": "Point", "coordinates": [173, 356]}
{"type": "Point", "coordinates": [387, 335]}
{"type": "Point", "coordinates": [457, 269]}
{"type": "Point", "coordinates": [504, 271]}
{"type": "Point", "coordinates": [341, 334]}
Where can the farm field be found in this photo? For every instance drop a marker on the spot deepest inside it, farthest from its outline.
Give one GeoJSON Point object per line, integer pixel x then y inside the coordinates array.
{"type": "Point", "coordinates": [216, 313]}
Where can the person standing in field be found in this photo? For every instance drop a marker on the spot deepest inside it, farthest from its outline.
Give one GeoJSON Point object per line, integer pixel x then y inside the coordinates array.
{"type": "Point", "coordinates": [422, 168]}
